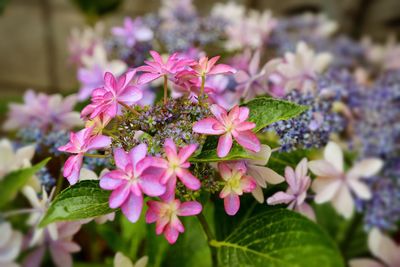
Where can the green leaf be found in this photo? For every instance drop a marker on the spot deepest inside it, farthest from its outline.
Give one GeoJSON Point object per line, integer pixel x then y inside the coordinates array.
{"type": "Point", "coordinates": [278, 238]}
{"type": "Point", "coordinates": [264, 111]}
{"type": "Point", "coordinates": [209, 152]}
{"type": "Point", "coordinates": [84, 200]}
{"type": "Point", "coordinates": [14, 181]}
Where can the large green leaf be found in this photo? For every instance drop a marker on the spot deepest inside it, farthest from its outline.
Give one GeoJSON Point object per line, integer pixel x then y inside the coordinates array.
{"type": "Point", "coordinates": [264, 111]}
{"type": "Point", "coordinates": [14, 181]}
{"type": "Point", "coordinates": [84, 200]}
{"type": "Point", "coordinates": [278, 238]}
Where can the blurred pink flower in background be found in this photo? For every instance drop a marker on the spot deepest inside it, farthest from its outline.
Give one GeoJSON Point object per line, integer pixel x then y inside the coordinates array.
{"type": "Point", "coordinates": [133, 31]}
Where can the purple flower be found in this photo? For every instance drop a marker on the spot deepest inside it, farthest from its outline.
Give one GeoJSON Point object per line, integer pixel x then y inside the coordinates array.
{"type": "Point", "coordinates": [133, 31]}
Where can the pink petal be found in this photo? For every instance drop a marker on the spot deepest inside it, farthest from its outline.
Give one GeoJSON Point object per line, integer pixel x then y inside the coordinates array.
{"type": "Point", "coordinates": [109, 81]}
{"type": "Point", "coordinates": [248, 184]}
{"type": "Point", "coordinates": [206, 126]}
{"type": "Point", "coordinates": [133, 207]}
{"type": "Point", "coordinates": [231, 204]}
{"type": "Point", "coordinates": [151, 186]}
{"type": "Point", "coordinates": [72, 168]}
{"type": "Point", "coordinates": [219, 112]}
{"type": "Point", "coordinates": [148, 77]}
{"type": "Point", "coordinates": [188, 179]}
{"type": "Point", "coordinates": [221, 68]}
{"type": "Point", "coordinates": [137, 154]}
{"type": "Point", "coordinates": [306, 210]}
{"type": "Point", "coordinates": [156, 56]}
{"type": "Point", "coordinates": [171, 234]}
{"type": "Point", "coordinates": [243, 113]}
{"type": "Point", "coordinates": [59, 256]}
{"type": "Point", "coordinates": [153, 211]}
{"type": "Point", "coordinates": [119, 196]}
{"type": "Point", "coordinates": [224, 145]}
{"type": "Point", "coordinates": [248, 140]}
{"type": "Point", "coordinates": [121, 158]}
{"type": "Point", "coordinates": [131, 95]}
{"type": "Point", "coordinates": [110, 183]}
{"type": "Point", "coordinates": [170, 190]}
{"type": "Point", "coordinates": [189, 208]}
{"type": "Point", "coordinates": [301, 168]}
{"type": "Point", "coordinates": [225, 171]}
{"type": "Point", "coordinates": [280, 198]}
{"type": "Point", "coordinates": [186, 152]}
{"type": "Point", "coordinates": [245, 126]}
{"type": "Point", "coordinates": [290, 177]}
{"type": "Point", "coordinates": [99, 141]}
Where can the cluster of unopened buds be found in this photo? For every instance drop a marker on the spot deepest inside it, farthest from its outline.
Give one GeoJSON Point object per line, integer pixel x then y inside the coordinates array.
{"type": "Point", "coordinates": [157, 174]}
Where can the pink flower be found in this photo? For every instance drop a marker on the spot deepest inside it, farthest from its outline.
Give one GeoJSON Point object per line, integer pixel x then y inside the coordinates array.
{"type": "Point", "coordinates": [130, 180]}
{"type": "Point", "coordinates": [236, 182]}
{"type": "Point", "coordinates": [207, 67]}
{"type": "Point", "coordinates": [176, 165]}
{"type": "Point", "coordinates": [107, 100]}
{"type": "Point", "coordinates": [296, 194]}
{"type": "Point", "coordinates": [228, 125]}
{"type": "Point", "coordinates": [44, 111]}
{"type": "Point", "coordinates": [334, 185]}
{"type": "Point", "coordinates": [79, 144]}
{"type": "Point", "coordinates": [133, 31]}
{"type": "Point", "coordinates": [165, 214]}
{"type": "Point", "coordinates": [157, 68]}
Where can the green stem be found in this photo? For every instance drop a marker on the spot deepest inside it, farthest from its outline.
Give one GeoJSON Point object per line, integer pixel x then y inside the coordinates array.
{"type": "Point", "coordinates": [210, 238]}
{"type": "Point", "coordinates": [129, 108]}
{"type": "Point", "coordinates": [97, 156]}
{"type": "Point", "coordinates": [203, 84]}
{"type": "Point", "coordinates": [350, 232]}
{"type": "Point", "coordinates": [60, 182]}
{"type": "Point", "coordinates": [165, 89]}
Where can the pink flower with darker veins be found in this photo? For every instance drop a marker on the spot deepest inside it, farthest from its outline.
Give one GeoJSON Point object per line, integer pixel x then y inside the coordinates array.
{"type": "Point", "coordinates": [165, 214]}
{"type": "Point", "coordinates": [176, 165]}
{"type": "Point", "coordinates": [80, 143]}
{"type": "Point", "coordinates": [157, 68]}
{"type": "Point", "coordinates": [108, 99]}
{"type": "Point", "coordinates": [299, 182]}
{"type": "Point", "coordinates": [128, 183]}
{"type": "Point", "coordinates": [236, 183]}
{"type": "Point", "coordinates": [229, 125]}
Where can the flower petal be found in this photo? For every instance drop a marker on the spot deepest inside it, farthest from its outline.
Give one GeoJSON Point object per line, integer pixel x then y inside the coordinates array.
{"type": "Point", "coordinates": [188, 179]}
{"type": "Point", "coordinates": [334, 155]}
{"type": "Point", "coordinates": [224, 145]}
{"type": "Point", "coordinates": [206, 126]}
{"type": "Point", "coordinates": [232, 204]}
{"type": "Point", "coordinates": [365, 168]}
{"type": "Point", "coordinates": [119, 196]}
{"type": "Point", "coordinates": [189, 208]}
{"type": "Point", "coordinates": [248, 140]}
{"type": "Point", "coordinates": [280, 198]}
{"type": "Point", "coordinates": [133, 207]}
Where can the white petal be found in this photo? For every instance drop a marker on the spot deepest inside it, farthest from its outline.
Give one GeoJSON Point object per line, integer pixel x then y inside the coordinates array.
{"type": "Point", "coordinates": [258, 194]}
{"type": "Point", "coordinates": [364, 263]}
{"type": "Point", "coordinates": [262, 156]}
{"type": "Point", "coordinates": [120, 260]}
{"type": "Point", "coordinates": [11, 249]}
{"type": "Point", "coordinates": [142, 262]}
{"type": "Point", "coordinates": [6, 232]}
{"type": "Point", "coordinates": [365, 168]}
{"type": "Point", "coordinates": [334, 155]}
{"type": "Point", "coordinates": [264, 175]}
{"type": "Point", "coordinates": [26, 152]}
{"type": "Point", "coordinates": [360, 189]}
{"type": "Point", "coordinates": [343, 202]}
{"type": "Point", "coordinates": [384, 248]}
{"type": "Point", "coordinates": [86, 174]}
{"type": "Point", "coordinates": [325, 189]}
{"type": "Point", "coordinates": [323, 168]}
{"type": "Point", "coordinates": [32, 197]}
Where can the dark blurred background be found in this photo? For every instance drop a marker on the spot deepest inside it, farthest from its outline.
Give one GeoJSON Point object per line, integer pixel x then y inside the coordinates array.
{"type": "Point", "coordinates": [33, 47]}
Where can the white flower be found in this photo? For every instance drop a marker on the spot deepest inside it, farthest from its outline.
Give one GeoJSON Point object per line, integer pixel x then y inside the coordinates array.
{"type": "Point", "coordinates": [230, 12]}
{"type": "Point", "coordinates": [263, 175]}
{"type": "Point", "coordinates": [10, 245]}
{"type": "Point", "coordinates": [11, 160]}
{"type": "Point", "coordinates": [334, 185]}
{"type": "Point", "coordinates": [120, 260]}
{"type": "Point", "coordinates": [383, 248]}
{"type": "Point", "coordinates": [299, 70]}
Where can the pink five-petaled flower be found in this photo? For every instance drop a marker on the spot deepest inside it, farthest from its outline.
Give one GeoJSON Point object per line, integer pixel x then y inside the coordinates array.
{"type": "Point", "coordinates": [79, 144]}
{"type": "Point", "coordinates": [207, 67]}
{"type": "Point", "coordinates": [157, 68]}
{"type": "Point", "coordinates": [165, 214]}
{"type": "Point", "coordinates": [296, 194]}
{"type": "Point", "coordinates": [176, 165]}
{"type": "Point", "coordinates": [108, 99]}
{"type": "Point", "coordinates": [228, 125]}
{"type": "Point", "coordinates": [334, 185]}
{"type": "Point", "coordinates": [236, 182]}
{"type": "Point", "coordinates": [130, 181]}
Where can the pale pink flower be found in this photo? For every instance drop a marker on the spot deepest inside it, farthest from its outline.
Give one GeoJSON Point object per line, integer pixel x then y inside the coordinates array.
{"type": "Point", "coordinates": [334, 185]}
{"type": "Point", "coordinates": [207, 67]}
{"type": "Point", "coordinates": [10, 245]}
{"type": "Point", "coordinates": [236, 182]}
{"type": "Point", "coordinates": [94, 66]}
{"type": "Point", "coordinates": [299, 70]}
{"type": "Point", "coordinates": [43, 111]}
{"type": "Point", "coordinates": [60, 248]}
{"type": "Point", "coordinates": [256, 168]}
{"type": "Point", "coordinates": [165, 214]}
{"type": "Point", "coordinates": [130, 180]}
{"type": "Point", "coordinates": [80, 143]}
{"type": "Point", "coordinates": [299, 182]}
{"type": "Point", "coordinates": [133, 31]}
{"type": "Point", "coordinates": [107, 100]}
{"type": "Point", "coordinates": [383, 248]}
{"type": "Point", "coordinates": [229, 125]}
{"type": "Point", "coordinates": [175, 166]}
{"type": "Point", "coordinates": [157, 68]}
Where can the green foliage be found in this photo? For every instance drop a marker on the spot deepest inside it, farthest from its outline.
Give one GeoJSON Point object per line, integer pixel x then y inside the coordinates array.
{"type": "Point", "coordinates": [264, 111]}
{"type": "Point", "coordinates": [14, 181]}
{"type": "Point", "coordinates": [98, 8]}
{"type": "Point", "coordinates": [84, 200]}
{"type": "Point", "coordinates": [278, 238]}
